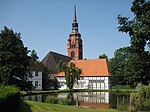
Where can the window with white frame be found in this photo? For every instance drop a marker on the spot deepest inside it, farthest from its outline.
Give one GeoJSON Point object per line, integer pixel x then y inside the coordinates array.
{"type": "Point", "coordinates": [36, 73]}
{"type": "Point", "coordinates": [36, 84]}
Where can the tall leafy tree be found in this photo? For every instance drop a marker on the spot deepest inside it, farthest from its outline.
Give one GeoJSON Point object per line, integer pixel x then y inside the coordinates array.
{"type": "Point", "coordinates": [139, 27]}
{"type": "Point", "coordinates": [139, 31]}
{"type": "Point", "coordinates": [49, 81]}
{"type": "Point", "coordinates": [14, 61]}
{"type": "Point", "coordinates": [118, 66]}
{"type": "Point", "coordinates": [126, 67]}
{"type": "Point", "coordinates": [72, 73]}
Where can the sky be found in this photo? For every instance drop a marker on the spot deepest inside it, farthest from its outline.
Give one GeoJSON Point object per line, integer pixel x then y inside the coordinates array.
{"type": "Point", "coordinates": [45, 25]}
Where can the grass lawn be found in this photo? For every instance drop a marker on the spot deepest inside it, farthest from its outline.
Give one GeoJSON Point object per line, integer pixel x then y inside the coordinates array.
{"type": "Point", "coordinates": [33, 106]}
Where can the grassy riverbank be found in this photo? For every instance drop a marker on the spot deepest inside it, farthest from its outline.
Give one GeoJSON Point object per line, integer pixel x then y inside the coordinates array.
{"type": "Point", "coordinates": [33, 106]}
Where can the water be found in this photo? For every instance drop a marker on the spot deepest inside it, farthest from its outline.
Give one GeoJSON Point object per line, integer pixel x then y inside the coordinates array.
{"type": "Point", "coordinates": [89, 99]}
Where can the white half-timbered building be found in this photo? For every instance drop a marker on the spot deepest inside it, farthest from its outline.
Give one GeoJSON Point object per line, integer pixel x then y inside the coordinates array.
{"type": "Point", "coordinates": [95, 75]}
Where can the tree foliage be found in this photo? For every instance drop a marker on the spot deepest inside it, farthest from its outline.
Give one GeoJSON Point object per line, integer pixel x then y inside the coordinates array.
{"type": "Point", "coordinates": [139, 31]}
{"type": "Point", "coordinates": [103, 56]}
{"type": "Point", "coordinates": [34, 56]}
{"type": "Point", "coordinates": [138, 28]}
{"type": "Point", "coordinates": [127, 67]}
{"type": "Point", "coordinates": [140, 100]}
{"type": "Point", "coordinates": [14, 61]}
{"type": "Point", "coordinates": [72, 73]}
{"type": "Point", "coordinates": [49, 81]}
{"type": "Point", "coordinates": [118, 66]}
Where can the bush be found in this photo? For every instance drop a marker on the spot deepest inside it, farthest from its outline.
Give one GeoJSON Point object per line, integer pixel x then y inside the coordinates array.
{"type": "Point", "coordinates": [51, 99]}
{"type": "Point", "coordinates": [9, 99]}
{"type": "Point", "coordinates": [141, 99]}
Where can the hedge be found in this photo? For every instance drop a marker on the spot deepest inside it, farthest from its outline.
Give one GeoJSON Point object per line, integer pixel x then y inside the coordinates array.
{"type": "Point", "coordinates": [9, 99]}
{"type": "Point", "coordinates": [122, 87]}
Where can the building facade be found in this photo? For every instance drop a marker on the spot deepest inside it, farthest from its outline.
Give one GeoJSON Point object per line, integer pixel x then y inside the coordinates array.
{"type": "Point", "coordinates": [74, 45]}
{"type": "Point", "coordinates": [95, 75]}
{"type": "Point", "coordinates": [36, 80]}
{"type": "Point", "coordinates": [36, 75]}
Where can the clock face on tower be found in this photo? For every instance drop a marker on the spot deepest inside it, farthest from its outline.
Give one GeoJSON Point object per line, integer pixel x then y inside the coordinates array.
{"type": "Point", "coordinates": [75, 29]}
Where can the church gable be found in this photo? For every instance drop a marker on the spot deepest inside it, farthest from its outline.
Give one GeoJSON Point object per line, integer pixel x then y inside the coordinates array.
{"type": "Point", "coordinates": [52, 59]}
{"type": "Point", "coordinates": [59, 57]}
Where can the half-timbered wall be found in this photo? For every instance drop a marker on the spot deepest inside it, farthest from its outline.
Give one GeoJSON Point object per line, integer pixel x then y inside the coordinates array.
{"type": "Point", "coordinates": [87, 83]}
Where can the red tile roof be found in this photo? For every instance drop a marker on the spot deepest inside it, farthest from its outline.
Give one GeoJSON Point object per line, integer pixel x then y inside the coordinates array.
{"type": "Point", "coordinates": [95, 67]}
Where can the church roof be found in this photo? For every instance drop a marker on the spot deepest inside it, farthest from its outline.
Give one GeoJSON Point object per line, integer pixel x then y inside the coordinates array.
{"type": "Point", "coordinates": [95, 67]}
{"type": "Point", "coordinates": [52, 59]}
{"type": "Point", "coordinates": [34, 66]}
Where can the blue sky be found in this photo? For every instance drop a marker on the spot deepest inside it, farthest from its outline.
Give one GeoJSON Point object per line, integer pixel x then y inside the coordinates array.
{"type": "Point", "coordinates": [45, 25]}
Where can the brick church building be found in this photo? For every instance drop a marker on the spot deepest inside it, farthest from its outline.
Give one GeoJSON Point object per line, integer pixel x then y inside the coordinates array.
{"type": "Point", "coordinates": [95, 72]}
{"type": "Point", "coordinates": [74, 46]}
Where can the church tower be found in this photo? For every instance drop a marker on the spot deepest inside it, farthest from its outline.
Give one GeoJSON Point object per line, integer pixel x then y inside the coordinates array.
{"type": "Point", "coordinates": [74, 46]}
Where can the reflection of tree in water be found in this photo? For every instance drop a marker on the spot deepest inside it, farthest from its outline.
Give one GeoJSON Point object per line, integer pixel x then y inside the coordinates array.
{"type": "Point", "coordinates": [113, 100]}
{"type": "Point", "coordinates": [123, 102]}
{"type": "Point", "coordinates": [51, 94]}
{"type": "Point", "coordinates": [71, 97]}
{"type": "Point", "coordinates": [119, 101]}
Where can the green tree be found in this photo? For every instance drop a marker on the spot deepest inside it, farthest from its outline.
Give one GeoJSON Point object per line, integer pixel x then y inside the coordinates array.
{"type": "Point", "coordinates": [72, 73]}
{"type": "Point", "coordinates": [139, 31]}
{"type": "Point", "coordinates": [126, 68]}
{"type": "Point", "coordinates": [119, 66]}
{"type": "Point", "coordinates": [34, 56]}
{"type": "Point", "coordinates": [14, 61]}
{"type": "Point", "coordinates": [138, 28]}
{"type": "Point", "coordinates": [140, 100]}
{"type": "Point", "coordinates": [103, 56]}
{"type": "Point", "coordinates": [49, 80]}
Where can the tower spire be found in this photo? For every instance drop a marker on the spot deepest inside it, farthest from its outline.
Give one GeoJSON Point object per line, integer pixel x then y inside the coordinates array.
{"type": "Point", "coordinates": [74, 45]}
{"type": "Point", "coordinates": [75, 16]}
{"type": "Point", "coordinates": [75, 24]}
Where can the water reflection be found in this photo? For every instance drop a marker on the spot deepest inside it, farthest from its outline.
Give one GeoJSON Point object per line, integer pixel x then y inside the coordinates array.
{"type": "Point", "coordinates": [34, 98]}
{"type": "Point", "coordinates": [94, 99]}
{"type": "Point", "coordinates": [88, 99]}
